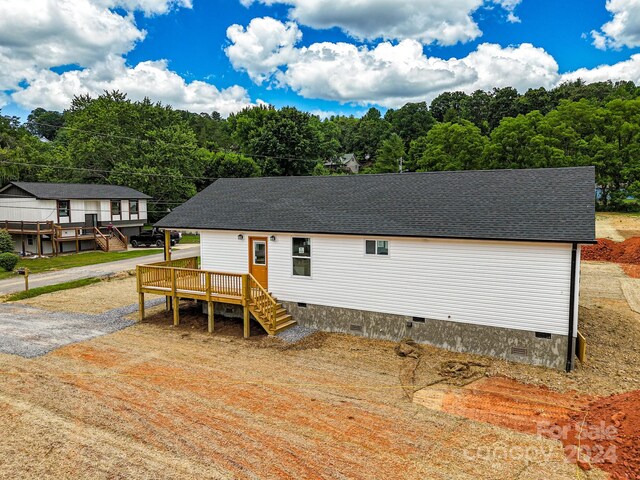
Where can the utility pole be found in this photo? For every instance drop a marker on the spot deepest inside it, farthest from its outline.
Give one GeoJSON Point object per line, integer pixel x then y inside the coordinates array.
{"type": "Point", "coordinates": [401, 164]}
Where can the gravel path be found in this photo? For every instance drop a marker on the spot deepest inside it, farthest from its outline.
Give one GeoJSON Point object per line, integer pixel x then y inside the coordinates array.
{"type": "Point", "coordinates": [295, 333]}
{"type": "Point", "coordinates": [31, 332]}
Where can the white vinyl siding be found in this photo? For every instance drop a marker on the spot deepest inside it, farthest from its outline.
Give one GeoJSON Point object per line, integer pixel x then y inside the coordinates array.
{"type": "Point", "coordinates": [515, 285]}
{"type": "Point", "coordinates": [28, 210]}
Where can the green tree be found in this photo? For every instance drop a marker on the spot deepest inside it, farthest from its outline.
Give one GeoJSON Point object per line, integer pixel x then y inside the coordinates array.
{"type": "Point", "coordinates": [411, 121]}
{"type": "Point", "coordinates": [45, 123]}
{"type": "Point", "coordinates": [526, 141]}
{"type": "Point", "coordinates": [389, 155]}
{"type": "Point", "coordinates": [453, 146]}
{"type": "Point", "coordinates": [6, 242]}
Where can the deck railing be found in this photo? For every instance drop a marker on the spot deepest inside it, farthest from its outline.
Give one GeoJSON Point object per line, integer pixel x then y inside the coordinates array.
{"type": "Point", "coordinates": [182, 279]}
{"type": "Point", "coordinates": [182, 276]}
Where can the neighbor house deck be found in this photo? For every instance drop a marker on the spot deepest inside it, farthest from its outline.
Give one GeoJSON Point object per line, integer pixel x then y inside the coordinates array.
{"type": "Point", "coordinates": [182, 278]}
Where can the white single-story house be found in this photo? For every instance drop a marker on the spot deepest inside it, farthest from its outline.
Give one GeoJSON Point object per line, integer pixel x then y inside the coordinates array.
{"type": "Point", "coordinates": [345, 163]}
{"type": "Point", "coordinates": [475, 261]}
{"type": "Point", "coordinates": [46, 218]}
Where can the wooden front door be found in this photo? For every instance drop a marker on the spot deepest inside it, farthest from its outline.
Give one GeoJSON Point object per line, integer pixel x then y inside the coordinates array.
{"type": "Point", "coordinates": [258, 260]}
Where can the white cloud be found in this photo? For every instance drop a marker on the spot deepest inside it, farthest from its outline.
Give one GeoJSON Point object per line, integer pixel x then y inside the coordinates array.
{"type": "Point", "coordinates": [623, 30]}
{"type": "Point", "coordinates": [445, 22]}
{"type": "Point", "coordinates": [262, 47]}
{"type": "Point", "coordinates": [621, 71]}
{"type": "Point", "coordinates": [149, 7]}
{"type": "Point", "coordinates": [147, 79]}
{"type": "Point", "coordinates": [509, 6]}
{"type": "Point", "coordinates": [58, 32]}
{"type": "Point", "coordinates": [36, 35]}
{"type": "Point", "coordinates": [391, 75]}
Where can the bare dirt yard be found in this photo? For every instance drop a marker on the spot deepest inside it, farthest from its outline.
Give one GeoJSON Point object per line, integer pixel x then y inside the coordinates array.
{"type": "Point", "coordinates": [154, 401]}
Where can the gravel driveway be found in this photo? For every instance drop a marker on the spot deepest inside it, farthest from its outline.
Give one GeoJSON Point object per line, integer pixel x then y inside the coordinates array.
{"type": "Point", "coordinates": [31, 332]}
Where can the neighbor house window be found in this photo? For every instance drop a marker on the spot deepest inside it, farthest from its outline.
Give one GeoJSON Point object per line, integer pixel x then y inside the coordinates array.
{"type": "Point", "coordinates": [377, 247]}
{"type": "Point", "coordinates": [301, 253]}
{"type": "Point", "coordinates": [116, 207]}
{"type": "Point", "coordinates": [63, 208]}
{"type": "Point", "coordinates": [133, 207]}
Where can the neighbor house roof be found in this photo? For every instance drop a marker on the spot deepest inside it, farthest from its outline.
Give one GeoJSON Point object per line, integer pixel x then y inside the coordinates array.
{"type": "Point", "coordinates": [76, 191]}
{"type": "Point", "coordinates": [538, 205]}
{"type": "Point", "coordinates": [342, 160]}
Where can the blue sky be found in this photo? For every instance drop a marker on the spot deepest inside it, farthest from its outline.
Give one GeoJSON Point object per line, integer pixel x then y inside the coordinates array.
{"type": "Point", "coordinates": [318, 55]}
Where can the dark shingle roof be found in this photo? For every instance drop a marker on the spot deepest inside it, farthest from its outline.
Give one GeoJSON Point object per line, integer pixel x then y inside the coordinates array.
{"type": "Point", "coordinates": [555, 204]}
{"type": "Point", "coordinates": [65, 191]}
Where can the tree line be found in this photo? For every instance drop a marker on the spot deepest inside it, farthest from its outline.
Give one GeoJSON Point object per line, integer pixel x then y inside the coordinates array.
{"type": "Point", "coordinates": [171, 154]}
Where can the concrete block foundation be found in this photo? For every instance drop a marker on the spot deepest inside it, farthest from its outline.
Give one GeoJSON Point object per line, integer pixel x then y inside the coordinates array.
{"type": "Point", "coordinates": [515, 345]}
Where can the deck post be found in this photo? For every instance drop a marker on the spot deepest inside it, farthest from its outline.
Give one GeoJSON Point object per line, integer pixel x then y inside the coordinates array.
{"type": "Point", "coordinates": [245, 305]}
{"type": "Point", "coordinates": [210, 304]}
{"type": "Point", "coordinates": [38, 239]}
{"type": "Point", "coordinates": [211, 311]}
{"type": "Point", "coordinates": [175, 300]}
{"type": "Point", "coordinates": [141, 306]}
{"type": "Point", "coordinates": [167, 245]}
{"type": "Point", "coordinates": [140, 294]}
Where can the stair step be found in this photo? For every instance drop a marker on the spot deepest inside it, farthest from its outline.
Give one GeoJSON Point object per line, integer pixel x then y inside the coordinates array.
{"type": "Point", "coordinates": [282, 319]}
{"type": "Point", "coordinates": [281, 311]}
{"type": "Point", "coordinates": [284, 326]}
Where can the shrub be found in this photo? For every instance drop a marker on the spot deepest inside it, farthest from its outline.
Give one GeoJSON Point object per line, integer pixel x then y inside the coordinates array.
{"type": "Point", "coordinates": [8, 261]}
{"type": "Point", "coordinates": [6, 242]}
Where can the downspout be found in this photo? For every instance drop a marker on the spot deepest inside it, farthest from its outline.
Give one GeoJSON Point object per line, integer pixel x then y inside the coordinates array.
{"type": "Point", "coordinates": [572, 294]}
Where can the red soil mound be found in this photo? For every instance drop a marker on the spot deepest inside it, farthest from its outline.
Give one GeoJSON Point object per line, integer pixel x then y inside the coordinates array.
{"type": "Point", "coordinates": [610, 251]}
{"type": "Point", "coordinates": [608, 436]}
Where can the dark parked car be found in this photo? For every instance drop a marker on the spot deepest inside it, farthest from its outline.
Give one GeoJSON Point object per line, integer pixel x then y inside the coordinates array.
{"type": "Point", "coordinates": [153, 237]}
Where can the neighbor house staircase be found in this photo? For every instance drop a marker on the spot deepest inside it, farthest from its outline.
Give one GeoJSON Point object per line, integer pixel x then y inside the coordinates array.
{"type": "Point", "coordinates": [266, 309]}
{"type": "Point", "coordinates": [114, 242]}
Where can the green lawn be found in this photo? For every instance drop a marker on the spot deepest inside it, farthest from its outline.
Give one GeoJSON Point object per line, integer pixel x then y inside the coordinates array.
{"type": "Point", "coordinates": [34, 292]}
{"type": "Point", "coordinates": [190, 239]}
{"type": "Point", "coordinates": [62, 262]}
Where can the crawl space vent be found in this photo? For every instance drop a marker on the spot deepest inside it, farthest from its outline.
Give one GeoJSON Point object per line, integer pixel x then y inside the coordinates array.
{"type": "Point", "coordinates": [355, 328]}
{"type": "Point", "coordinates": [519, 351]}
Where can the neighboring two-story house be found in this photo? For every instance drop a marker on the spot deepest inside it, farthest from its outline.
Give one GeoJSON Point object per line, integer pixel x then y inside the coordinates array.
{"type": "Point", "coordinates": [346, 163]}
{"type": "Point", "coordinates": [51, 218]}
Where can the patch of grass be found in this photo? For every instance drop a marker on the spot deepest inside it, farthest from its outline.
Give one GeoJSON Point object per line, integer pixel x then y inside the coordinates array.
{"type": "Point", "coordinates": [35, 292]}
{"type": "Point", "coordinates": [190, 239]}
{"type": "Point", "coordinates": [62, 262]}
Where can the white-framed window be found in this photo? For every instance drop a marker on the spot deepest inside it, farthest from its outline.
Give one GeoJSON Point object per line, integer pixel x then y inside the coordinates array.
{"type": "Point", "coordinates": [301, 256]}
{"type": "Point", "coordinates": [376, 247]}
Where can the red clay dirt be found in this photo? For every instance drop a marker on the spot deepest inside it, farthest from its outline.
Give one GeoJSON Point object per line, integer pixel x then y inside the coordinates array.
{"type": "Point", "coordinates": [608, 435]}
{"type": "Point", "coordinates": [626, 253]}
{"type": "Point", "coordinates": [602, 432]}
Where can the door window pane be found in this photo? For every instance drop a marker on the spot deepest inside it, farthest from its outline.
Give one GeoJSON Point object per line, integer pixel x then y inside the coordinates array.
{"type": "Point", "coordinates": [259, 253]}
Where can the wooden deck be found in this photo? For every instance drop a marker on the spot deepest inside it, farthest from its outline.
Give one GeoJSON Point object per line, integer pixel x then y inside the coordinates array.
{"type": "Point", "coordinates": [61, 234]}
{"type": "Point", "coordinates": [182, 278]}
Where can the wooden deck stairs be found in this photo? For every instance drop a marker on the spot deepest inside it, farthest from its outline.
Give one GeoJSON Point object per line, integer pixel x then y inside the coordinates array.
{"type": "Point", "coordinates": [181, 279]}
{"type": "Point", "coordinates": [114, 242]}
{"type": "Point", "coordinates": [266, 309]}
